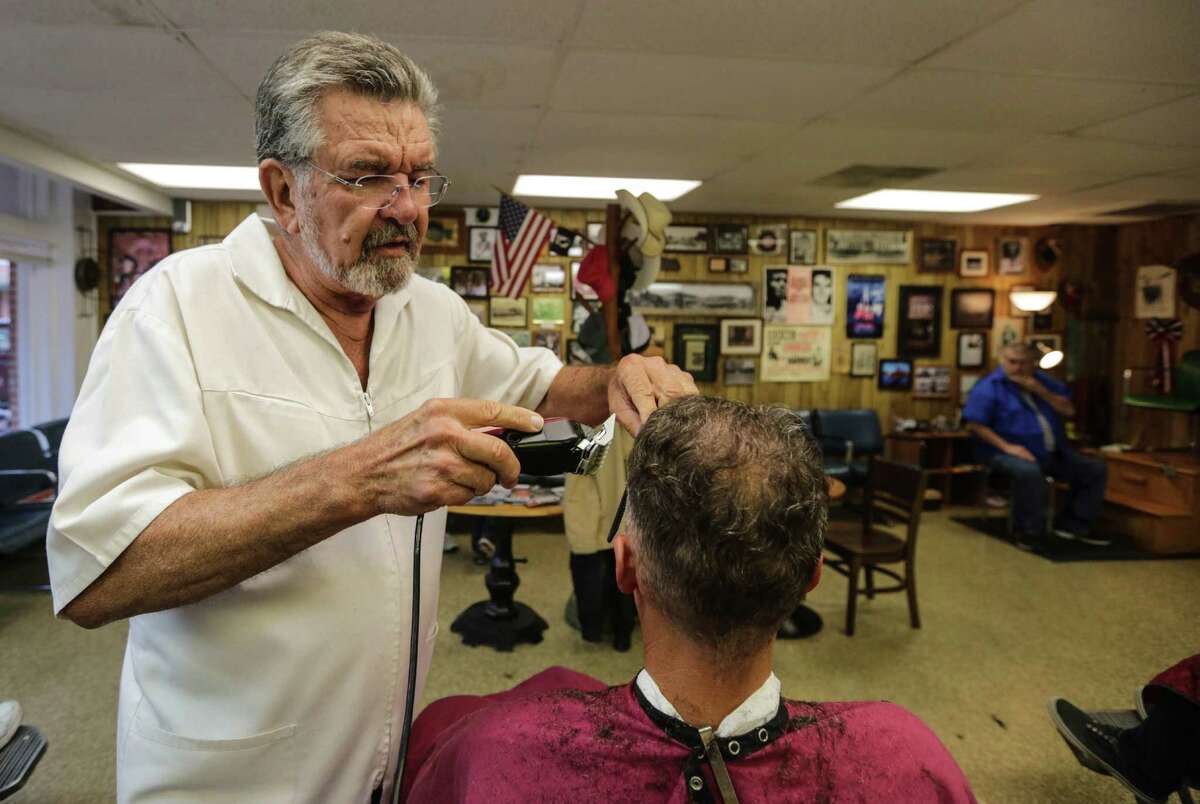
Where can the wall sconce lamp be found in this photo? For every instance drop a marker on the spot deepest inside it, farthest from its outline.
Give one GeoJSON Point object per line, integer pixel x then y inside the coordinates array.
{"type": "Point", "coordinates": [1032, 301]}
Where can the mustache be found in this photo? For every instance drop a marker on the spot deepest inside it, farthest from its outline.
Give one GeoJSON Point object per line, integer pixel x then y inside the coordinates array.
{"type": "Point", "coordinates": [390, 232]}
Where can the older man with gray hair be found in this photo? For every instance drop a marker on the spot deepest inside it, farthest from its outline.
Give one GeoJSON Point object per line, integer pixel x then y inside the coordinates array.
{"type": "Point", "coordinates": [261, 423]}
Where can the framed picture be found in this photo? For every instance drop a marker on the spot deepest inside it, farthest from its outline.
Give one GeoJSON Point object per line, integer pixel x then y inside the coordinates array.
{"type": "Point", "coordinates": [796, 354]}
{"type": "Point", "coordinates": [482, 240]}
{"type": "Point", "coordinates": [692, 239]}
{"type": "Point", "coordinates": [566, 243]}
{"type": "Point", "coordinates": [479, 309]}
{"type": "Point", "coordinates": [937, 255]}
{"type": "Point", "coordinates": [520, 337]}
{"type": "Point", "coordinates": [548, 311]}
{"type": "Point", "coordinates": [972, 308]}
{"type": "Point", "coordinates": [445, 233]}
{"type": "Point", "coordinates": [548, 339]}
{"type": "Point", "coordinates": [739, 265]}
{"type": "Point", "coordinates": [863, 358]}
{"type": "Point", "coordinates": [696, 350]}
{"type": "Point", "coordinates": [731, 238]}
{"type": "Point", "coordinates": [798, 295]}
{"type": "Point", "coordinates": [769, 239]}
{"type": "Point", "coordinates": [868, 246]}
{"type": "Point", "coordinates": [802, 246]}
{"type": "Point", "coordinates": [1006, 331]}
{"type": "Point", "coordinates": [1043, 322]}
{"type": "Point", "coordinates": [548, 279]}
{"type": "Point", "coordinates": [741, 336]}
{"type": "Point", "coordinates": [581, 290]}
{"type": "Point", "coordinates": [972, 349]}
{"type": "Point", "coordinates": [133, 252]}
{"type": "Point", "coordinates": [973, 263]}
{"type": "Point", "coordinates": [740, 371]}
{"type": "Point", "coordinates": [435, 273]}
{"type": "Point", "coordinates": [1013, 255]}
{"type": "Point", "coordinates": [668, 265]}
{"type": "Point", "coordinates": [658, 332]}
{"type": "Point", "coordinates": [920, 332]}
{"type": "Point", "coordinates": [695, 298]}
{"type": "Point", "coordinates": [506, 312]}
{"type": "Point", "coordinates": [718, 265]}
{"type": "Point", "coordinates": [931, 382]}
{"type": "Point", "coordinates": [966, 381]}
{"type": "Point", "coordinates": [1154, 296]}
{"type": "Point", "coordinates": [470, 281]}
{"type": "Point", "coordinates": [895, 375]}
{"type": "Point", "coordinates": [865, 296]}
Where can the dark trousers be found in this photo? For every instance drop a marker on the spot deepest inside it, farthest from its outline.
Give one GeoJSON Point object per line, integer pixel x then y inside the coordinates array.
{"type": "Point", "coordinates": [1086, 476]}
{"type": "Point", "coordinates": [598, 598]}
{"type": "Point", "coordinates": [1165, 748]}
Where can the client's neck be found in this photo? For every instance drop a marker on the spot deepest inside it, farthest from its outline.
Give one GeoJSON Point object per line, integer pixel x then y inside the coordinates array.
{"type": "Point", "coordinates": [701, 687]}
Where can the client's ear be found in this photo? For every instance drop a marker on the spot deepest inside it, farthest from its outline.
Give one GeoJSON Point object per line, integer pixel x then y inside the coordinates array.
{"type": "Point", "coordinates": [626, 560]}
{"type": "Point", "coordinates": [816, 576]}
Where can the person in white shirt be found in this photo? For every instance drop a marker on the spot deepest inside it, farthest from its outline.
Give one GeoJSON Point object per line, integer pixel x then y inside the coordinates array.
{"type": "Point", "coordinates": [261, 422]}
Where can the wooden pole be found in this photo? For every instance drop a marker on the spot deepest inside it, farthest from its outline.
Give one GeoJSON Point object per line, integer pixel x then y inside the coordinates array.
{"type": "Point", "coordinates": [612, 237]}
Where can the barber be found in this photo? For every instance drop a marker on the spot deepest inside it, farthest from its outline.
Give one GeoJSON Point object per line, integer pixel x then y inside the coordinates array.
{"type": "Point", "coordinates": [260, 423]}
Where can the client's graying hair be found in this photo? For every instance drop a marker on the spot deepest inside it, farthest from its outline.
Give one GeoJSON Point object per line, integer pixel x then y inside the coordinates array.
{"type": "Point", "coordinates": [286, 121]}
{"type": "Point", "coordinates": [728, 508]}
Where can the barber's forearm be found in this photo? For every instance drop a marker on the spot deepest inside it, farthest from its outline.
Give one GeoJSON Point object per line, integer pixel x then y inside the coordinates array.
{"type": "Point", "coordinates": [210, 540]}
{"type": "Point", "coordinates": [579, 393]}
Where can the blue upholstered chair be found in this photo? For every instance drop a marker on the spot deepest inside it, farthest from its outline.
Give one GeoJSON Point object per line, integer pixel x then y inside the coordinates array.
{"type": "Point", "coordinates": [849, 439]}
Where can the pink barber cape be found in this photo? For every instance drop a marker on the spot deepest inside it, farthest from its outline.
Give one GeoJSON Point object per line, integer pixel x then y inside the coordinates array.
{"type": "Point", "coordinates": [562, 736]}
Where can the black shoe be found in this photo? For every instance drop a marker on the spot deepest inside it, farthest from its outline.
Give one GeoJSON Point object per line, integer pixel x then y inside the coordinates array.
{"type": "Point", "coordinates": [622, 642]}
{"type": "Point", "coordinates": [1083, 536]}
{"type": "Point", "coordinates": [1095, 746]}
{"type": "Point", "coordinates": [1029, 542]}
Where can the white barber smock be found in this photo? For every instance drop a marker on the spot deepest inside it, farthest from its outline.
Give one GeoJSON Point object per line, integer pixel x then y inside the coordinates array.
{"type": "Point", "coordinates": [214, 370]}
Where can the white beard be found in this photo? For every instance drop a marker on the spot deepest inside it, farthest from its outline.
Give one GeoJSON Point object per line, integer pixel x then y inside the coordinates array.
{"type": "Point", "coordinates": [376, 277]}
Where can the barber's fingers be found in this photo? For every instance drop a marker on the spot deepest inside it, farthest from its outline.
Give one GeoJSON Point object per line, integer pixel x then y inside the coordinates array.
{"type": "Point", "coordinates": [490, 454]}
{"type": "Point", "coordinates": [620, 405]}
{"type": "Point", "coordinates": [635, 390]}
{"type": "Point", "coordinates": [668, 380]}
{"type": "Point", "coordinates": [487, 413]}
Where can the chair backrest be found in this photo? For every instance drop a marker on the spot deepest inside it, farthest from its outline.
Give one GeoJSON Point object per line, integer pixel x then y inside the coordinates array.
{"type": "Point", "coordinates": [53, 431]}
{"type": "Point", "coordinates": [895, 491]}
{"type": "Point", "coordinates": [24, 449]}
{"type": "Point", "coordinates": [1187, 375]}
{"type": "Point", "coordinates": [858, 426]}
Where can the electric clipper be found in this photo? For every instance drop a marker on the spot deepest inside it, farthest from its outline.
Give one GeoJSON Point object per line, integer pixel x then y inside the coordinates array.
{"type": "Point", "coordinates": [560, 447]}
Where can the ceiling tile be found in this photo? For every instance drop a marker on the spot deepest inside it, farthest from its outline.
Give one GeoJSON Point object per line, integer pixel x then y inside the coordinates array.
{"type": "Point", "coordinates": [1063, 153]}
{"type": "Point", "coordinates": [1174, 123]}
{"type": "Point", "coordinates": [996, 180]}
{"type": "Point", "coordinates": [78, 13]}
{"type": "Point", "coordinates": [876, 145]}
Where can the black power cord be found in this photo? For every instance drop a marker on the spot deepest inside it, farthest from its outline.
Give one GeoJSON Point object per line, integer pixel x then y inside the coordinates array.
{"type": "Point", "coordinates": [414, 631]}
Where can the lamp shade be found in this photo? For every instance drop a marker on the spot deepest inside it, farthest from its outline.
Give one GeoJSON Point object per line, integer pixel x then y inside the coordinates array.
{"type": "Point", "coordinates": [1049, 358]}
{"type": "Point", "coordinates": [1032, 301]}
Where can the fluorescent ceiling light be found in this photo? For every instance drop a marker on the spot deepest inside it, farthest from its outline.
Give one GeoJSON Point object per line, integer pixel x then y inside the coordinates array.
{"type": "Point", "coordinates": [196, 177]}
{"type": "Point", "coordinates": [933, 201]}
{"type": "Point", "coordinates": [600, 187]}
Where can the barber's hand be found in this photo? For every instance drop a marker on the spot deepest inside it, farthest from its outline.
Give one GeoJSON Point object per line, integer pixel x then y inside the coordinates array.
{"type": "Point", "coordinates": [432, 458]}
{"type": "Point", "coordinates": [1025, 381]}
{"type": "Point", "coordinates": [641, 385]}
{"type": "Point", "coordinates": [1017, 451]}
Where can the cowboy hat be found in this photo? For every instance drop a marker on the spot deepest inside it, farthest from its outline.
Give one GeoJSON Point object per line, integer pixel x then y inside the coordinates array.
{"type": "Point", "coordinates": [657, 218]}
{"type": "Point", "coordinates": [635, 226]}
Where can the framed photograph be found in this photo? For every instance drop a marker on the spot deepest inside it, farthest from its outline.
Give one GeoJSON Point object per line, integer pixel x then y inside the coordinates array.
{"type": "Point", "coordinates": [973, 263]}
{"type": "Point", "coordinates": [966, 381]}
{"type": "Point", "coordinates": [863, 358]}
{"type": "Point", "coordinates": [1013, 255]}
{"type": "Point", "coordinates": [548, 311]}
{"type": "Point", "coordinates": [972, 349]}
{"type": "Point", "coordinates": [695, 298]}
{"type": "Point", "coordinates": [895, 375]}
{"type": "Point", "coordinates": [658, 332]}
{"type": "Point", "coordinates": [482, 240]}
{"type": "Point", "coordinates": [802, 246]}
{"type": "Point", "coordinates": [920, 333]}
{"type": "Point", "coordinates": [731, 238]}
{"type": "Point", "coordinates": [581, 290]}
{"type": "Point", "coordinates": [739, 265]}
{"type": "Point", "coordinates": [506, 312]}
{"type": "Point", "coordinates": [520, 337]}
{"type": "Point", "coordinates": [865, 296]}
{"type": "Point", "coordinates": [692, 239]}
{"type": "Point", "coordinates": [798, 295]}
{"type": "Point", "coordinates": [548, 279]}
{"type": "Point", "coordinates": [718, 265]}
{"type": "Point", "coordinates": [445, 233]}
{"type": "Point", "coordinates": [1006, 331]}
{"type": "Point", "coordinates": [435, 273]}
{"type": "Point", "coordinates": [972, 308]}
{"type": "Point", "coordinates": [566, 243]}
{"type": "Point", "coordinates": [548, 339]}
{"type": "Point", "coordinates": [740, 371]}
{"type": "Point", "coordinates": [668, 265]}
{"type": "Point", "coordinates": [741, 336]}
{"type": "Point", "coordinates": [1043, 322]}
{"type": "Point", "coordinates": [696, 350]}
{"type": "Point", "coordinates": [937, 255]}
{"type": "Point", "coordinates": [482, 216]}
{"type": "Point", "coordinates": [479, 309]}
{"type": "Point", "coordinates": [868, 246]}
{"type": "Point", "coordinates": [931, 382]}
{"type": "Point", "coordinates": [133, 252]}
{"type": "Point", "coordinates": [769, 239]}
{"type": "Point", "coordinates": [1154, 296]}
{"type": "Point", "coordinates": [470, 281]}
{"type": "Point", "coordinates": [796, 354]}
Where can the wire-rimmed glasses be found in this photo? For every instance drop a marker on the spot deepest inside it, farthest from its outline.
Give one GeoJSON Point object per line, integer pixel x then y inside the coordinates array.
{"type": "Point", "coordinates": [377, 192]}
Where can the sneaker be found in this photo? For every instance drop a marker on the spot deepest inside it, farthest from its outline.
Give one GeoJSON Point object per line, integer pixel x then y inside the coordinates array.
{"type": "Point", "coordinates": [1027, 542]}
{"type": "Point", "coordinates": [1139, 702]}
{"type": "Point", "coordinates": [10, 720]}
{"type": "Point", "coordinates": [1095, 746]}
{"type": "Point", "coordinates": [1086, 538]}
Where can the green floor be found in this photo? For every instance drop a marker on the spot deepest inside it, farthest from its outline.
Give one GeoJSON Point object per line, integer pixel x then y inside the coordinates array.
{"type": "Point", "coordinates": [1003, 632]}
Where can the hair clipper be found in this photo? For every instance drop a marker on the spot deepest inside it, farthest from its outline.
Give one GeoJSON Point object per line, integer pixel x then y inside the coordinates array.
{"type": "Point", "coordinates": [562, 446]}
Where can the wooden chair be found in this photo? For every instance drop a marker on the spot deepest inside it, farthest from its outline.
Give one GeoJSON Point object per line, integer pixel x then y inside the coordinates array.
{"type": "Point", "coordinates": [894, 491]}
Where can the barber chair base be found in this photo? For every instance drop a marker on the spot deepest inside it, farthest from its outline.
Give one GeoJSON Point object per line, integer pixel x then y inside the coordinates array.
{"type": "Point", "coordinates": [18, 759]}
{"type": "Point", "coordinates": [477, 626]}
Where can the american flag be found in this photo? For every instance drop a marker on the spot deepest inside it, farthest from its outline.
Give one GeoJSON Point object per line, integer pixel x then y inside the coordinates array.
{"type": "Point", "coordinates": [523, 235]}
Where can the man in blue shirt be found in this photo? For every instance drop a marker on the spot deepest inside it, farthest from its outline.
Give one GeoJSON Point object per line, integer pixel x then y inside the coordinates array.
{"type": "Point", "coordinates": [1016, 413]}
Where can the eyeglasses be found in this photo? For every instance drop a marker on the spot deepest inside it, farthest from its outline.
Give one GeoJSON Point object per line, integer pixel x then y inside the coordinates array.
{"type": "Point", "coordinates": [377, 192]}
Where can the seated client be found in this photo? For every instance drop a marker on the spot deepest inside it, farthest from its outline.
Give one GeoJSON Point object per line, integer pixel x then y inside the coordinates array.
{"type": "Point", "coordinates": [726, 515]}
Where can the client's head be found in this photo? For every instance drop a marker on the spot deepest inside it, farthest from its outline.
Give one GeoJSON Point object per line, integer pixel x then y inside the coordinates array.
{"type": "Point", "coordinates": [727, 514]}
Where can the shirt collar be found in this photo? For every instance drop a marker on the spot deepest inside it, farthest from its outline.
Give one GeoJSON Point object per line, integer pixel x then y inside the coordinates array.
{"type": "Point", "coordinates": [758, 709]}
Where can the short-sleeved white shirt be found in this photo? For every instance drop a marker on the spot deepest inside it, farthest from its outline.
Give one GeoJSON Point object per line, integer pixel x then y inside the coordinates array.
{"type": "Point", "coordinates": [215, 370]}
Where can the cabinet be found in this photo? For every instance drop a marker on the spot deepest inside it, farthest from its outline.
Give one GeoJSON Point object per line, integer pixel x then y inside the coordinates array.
{"type": "Point", "coordinates": [1155, 499]}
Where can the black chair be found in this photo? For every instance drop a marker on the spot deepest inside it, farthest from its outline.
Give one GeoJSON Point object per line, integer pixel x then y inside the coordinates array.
{"type": "Point", "coordinates": [52, 431]}
{"type": "Point", "coordinates": [850, 438]}
{"type": "Point", "coordinates": [24, 472]}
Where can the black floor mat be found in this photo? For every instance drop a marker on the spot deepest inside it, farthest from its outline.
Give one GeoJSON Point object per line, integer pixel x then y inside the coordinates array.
{"type": "Point", "coordinates": [1067, 550]}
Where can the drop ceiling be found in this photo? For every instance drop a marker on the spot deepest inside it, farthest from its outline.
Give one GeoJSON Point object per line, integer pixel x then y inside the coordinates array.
{"type": "Point", "coordinates": [1093, 105]}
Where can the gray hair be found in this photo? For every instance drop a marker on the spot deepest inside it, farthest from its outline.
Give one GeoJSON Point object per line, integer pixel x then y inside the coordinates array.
{"type": "Point", "coordinates": [728, 510]}
{"type": "Point", "coordinates": [286, 123]}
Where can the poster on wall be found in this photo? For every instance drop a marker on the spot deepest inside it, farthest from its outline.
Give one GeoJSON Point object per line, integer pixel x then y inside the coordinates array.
{"type": "Point", "coordinates": [795, 354]}
{"type": "Point", "coordinates": [868, 246]}
{"type": "Point", "coordinates": [920, 332]}
{"type": "Point", "coordinates": [1155, 294]}
{"type": "Point", "coordinates": [133, 252]}
{"type": "Point", "coordinates": [696, 350]}
{"type": "Point", "coordinates": [864, 306]}
{"type": "Point", "coordinates": [931, 382]}
{"type": "Point", "coordinates": [798, 295]}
